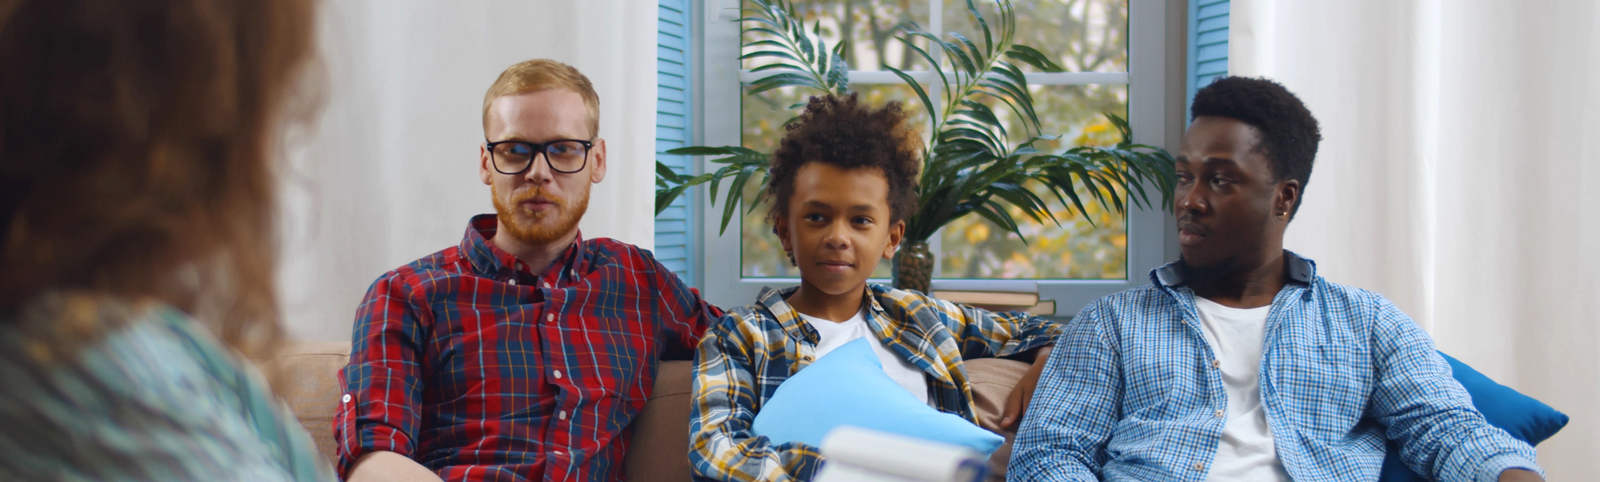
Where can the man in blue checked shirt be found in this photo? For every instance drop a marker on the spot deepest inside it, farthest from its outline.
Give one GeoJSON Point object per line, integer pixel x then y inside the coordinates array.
{"type": "Point", "coordinates": [1238, 362]}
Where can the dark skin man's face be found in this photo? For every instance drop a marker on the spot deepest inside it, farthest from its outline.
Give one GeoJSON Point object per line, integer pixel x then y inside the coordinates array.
{"type": "Point", "coordinates": [1230, 212]}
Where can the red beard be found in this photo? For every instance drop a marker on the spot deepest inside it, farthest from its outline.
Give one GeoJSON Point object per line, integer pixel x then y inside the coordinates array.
{"type": "Point", "coordinates": [544, 226]}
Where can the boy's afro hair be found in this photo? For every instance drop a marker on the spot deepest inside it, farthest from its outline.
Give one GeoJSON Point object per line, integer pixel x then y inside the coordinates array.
{"type": "Point", "coordinates": [844, 132]}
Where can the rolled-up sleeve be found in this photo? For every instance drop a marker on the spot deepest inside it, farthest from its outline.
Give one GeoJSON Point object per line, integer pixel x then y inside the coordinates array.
{"type": "Point", "coordinates": [982, 333]}
{"type": "Point", "coordinates": [378, 410]}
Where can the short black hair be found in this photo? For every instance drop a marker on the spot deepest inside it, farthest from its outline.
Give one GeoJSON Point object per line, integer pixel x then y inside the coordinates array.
{"type": "Point", "coordinates": [843, 131]}
{"type": "Point", "coordinates": [1289, 134]}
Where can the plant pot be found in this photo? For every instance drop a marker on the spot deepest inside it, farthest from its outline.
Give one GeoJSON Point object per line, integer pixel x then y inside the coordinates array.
{"type": "Point", "coordinates": [913, 266]}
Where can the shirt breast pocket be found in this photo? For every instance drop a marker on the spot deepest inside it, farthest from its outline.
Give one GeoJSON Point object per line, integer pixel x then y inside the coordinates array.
{"type": "Point", "coordinates": [1327, 379]}
{"type": "Point", "coordinates": [1164, 384]}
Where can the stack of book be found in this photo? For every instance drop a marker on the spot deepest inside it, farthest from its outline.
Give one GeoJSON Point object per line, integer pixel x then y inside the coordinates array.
{"type": "Point", "coordinates": [994, 295]}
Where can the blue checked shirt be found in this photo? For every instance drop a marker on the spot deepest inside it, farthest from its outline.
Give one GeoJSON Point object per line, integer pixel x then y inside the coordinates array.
{"type": "Point", "coordinates": [1130, 392]}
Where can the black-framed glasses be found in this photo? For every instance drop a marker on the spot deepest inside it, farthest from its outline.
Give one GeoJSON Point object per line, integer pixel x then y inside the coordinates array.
{"type": "Point", "coordinates": [565, 156]}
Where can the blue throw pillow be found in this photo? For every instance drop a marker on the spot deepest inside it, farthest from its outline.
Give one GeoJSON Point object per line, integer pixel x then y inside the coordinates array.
{"type": "Point", "coordinates": [1523, 417]}
{"type": "Point", "coordinates": [848, 387]}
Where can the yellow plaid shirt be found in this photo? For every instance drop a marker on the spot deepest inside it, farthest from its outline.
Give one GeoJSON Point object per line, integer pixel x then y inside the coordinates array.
{"type": "Point", "coordinates": [750, 351]}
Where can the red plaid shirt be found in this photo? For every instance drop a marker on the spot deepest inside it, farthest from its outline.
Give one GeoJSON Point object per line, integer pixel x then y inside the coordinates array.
{"type": "Point", "coordinates": [480, 369]}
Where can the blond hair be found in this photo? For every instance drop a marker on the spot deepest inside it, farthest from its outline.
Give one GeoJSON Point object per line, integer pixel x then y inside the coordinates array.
{"type": "Point", "coordinates": [140, 167]}
{"type": "Point", "coordinates": [540, 74]}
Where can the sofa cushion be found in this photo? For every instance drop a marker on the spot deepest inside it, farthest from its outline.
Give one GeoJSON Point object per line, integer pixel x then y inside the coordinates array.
{"type": "Point", "coordinates": [992, 380]}
{"type": "Point", "coordinates": [660, 447]}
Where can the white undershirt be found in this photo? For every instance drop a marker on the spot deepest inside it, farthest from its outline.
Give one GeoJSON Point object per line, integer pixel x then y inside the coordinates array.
{"type": "Point", "coordinates": [836, 334]}
{"type": "Point", "coordinates": [1246, 452]}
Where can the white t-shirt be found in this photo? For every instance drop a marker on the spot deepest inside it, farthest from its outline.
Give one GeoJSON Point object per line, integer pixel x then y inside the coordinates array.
{"type": "Point", "coordinates": [835, 334]}
{"type": "Point", "coordinates": [1246, 451]}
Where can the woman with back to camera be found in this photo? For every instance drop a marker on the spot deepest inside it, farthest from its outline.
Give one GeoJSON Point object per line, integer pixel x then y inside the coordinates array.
{"type": "Point", "coordinates": [137, 239]}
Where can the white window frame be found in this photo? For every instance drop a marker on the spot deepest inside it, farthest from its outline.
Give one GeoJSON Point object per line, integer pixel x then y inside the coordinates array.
{"type": "Point", "coordinates": [1156, 89]}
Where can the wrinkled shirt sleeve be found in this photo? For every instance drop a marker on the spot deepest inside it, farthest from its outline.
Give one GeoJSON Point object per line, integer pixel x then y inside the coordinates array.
{"type": "Point", "coordinates": [685, 314]}
{"type": "Point", "coordinates": [1430, 413]}
{"type": "Point", "coordinates": [724, 407]}
{"type": "Point", "coordinates": [382, 382]}
{"type": "Point", "coordinates": [984, 334]}
{"type": "Point", "coordinates": [1075, 408]}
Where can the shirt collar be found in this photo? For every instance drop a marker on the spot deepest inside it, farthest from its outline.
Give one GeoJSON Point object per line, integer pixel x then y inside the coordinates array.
{"type": "Point", "coordinates": [492, 261]}
{"type": "Point", "coordinates": [1301, 270]}
{"type": "Point", "coordinates": [774, 300]}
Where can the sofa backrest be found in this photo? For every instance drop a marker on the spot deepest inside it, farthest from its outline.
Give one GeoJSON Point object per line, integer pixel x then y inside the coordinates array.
{"type": "Point", "coordinates": [305, 375]}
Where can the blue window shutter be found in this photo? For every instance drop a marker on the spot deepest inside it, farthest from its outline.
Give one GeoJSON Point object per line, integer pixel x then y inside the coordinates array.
{"type": "Point", "coordinates": [1208, 44]}
{"type": "Point", "coordinates": [674, 226]}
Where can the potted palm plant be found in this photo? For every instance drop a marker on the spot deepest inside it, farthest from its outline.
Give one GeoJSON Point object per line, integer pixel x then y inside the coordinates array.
{"type": "Point", "coordinates": [969, 167]}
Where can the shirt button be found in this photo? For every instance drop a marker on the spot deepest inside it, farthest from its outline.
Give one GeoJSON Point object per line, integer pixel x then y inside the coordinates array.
{"type": "Point", "coordinates": [562, 415]}
{"type": "Point", "coordinates": [1218, 414]}
{"type": "Point", "coordinates": [513, 281]}
{"type": "Point", "coordinates": [1199, 466]}
{"type": "Point", "coordinates": [1216, 363]}
{"type": "Point", "coordinates": [550, 317]}
{"type": "Point", "coordinates": [556, 373]}
{"type": "Point", "coordinates": [547, 284]}
{"type": "Point", "coordinates": [346, 398]}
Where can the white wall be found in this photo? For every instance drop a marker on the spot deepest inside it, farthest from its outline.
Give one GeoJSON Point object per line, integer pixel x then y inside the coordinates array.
{"type": "Point", "coordinates": [1456, 177]}
{"type": "Point", "coordinates": [389, 172]}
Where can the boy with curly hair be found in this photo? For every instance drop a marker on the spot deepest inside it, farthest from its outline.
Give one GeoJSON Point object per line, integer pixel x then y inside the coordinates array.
{"type": "Point", "coordinates": [842, 182]}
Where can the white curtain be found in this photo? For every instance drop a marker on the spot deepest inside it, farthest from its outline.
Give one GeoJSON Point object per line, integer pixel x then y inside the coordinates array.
{"type": "Point", "coordinates": [388, 173]}
{"type": "Point", "coordinates": [1458, 176]}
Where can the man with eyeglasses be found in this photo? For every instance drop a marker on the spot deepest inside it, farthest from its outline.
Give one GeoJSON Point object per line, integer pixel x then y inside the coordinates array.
{"type": "Point", "coordinates": [524, 352]}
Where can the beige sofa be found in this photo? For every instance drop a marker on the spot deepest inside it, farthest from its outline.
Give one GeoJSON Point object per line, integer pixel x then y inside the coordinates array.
{"type": "Point", "coordinates": [305, 374]}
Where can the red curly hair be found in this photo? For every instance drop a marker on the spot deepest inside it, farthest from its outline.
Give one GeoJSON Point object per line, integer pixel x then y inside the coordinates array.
{"type": "Point", "coordinates": [136, 145]}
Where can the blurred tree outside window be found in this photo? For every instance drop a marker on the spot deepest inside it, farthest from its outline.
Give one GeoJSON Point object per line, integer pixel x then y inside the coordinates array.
{"type": "Point", "coordinates": [1082, 35]}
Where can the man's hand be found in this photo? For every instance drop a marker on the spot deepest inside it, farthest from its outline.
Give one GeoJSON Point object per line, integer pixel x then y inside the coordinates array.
{"type": "Point", "coordinates": [1519, 475]}
{"type": "Point", "coordinates": [1017, 402]}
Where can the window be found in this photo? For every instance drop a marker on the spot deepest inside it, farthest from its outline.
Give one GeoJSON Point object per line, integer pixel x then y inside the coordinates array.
{"type": "Point", "coordinates": [1115, 54]}
{"type": "Point", "coordinates": [1208, 44]}
{"type": "Point", "coordinates": [675, 227]}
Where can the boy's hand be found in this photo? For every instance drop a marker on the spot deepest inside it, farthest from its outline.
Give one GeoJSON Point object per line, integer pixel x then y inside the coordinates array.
{"type": "Point", "coordinates": [1017, 402]}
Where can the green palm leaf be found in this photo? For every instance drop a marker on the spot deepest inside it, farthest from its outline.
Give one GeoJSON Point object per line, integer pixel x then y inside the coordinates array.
{"type": "Point", "coordinates": [969, 166]}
